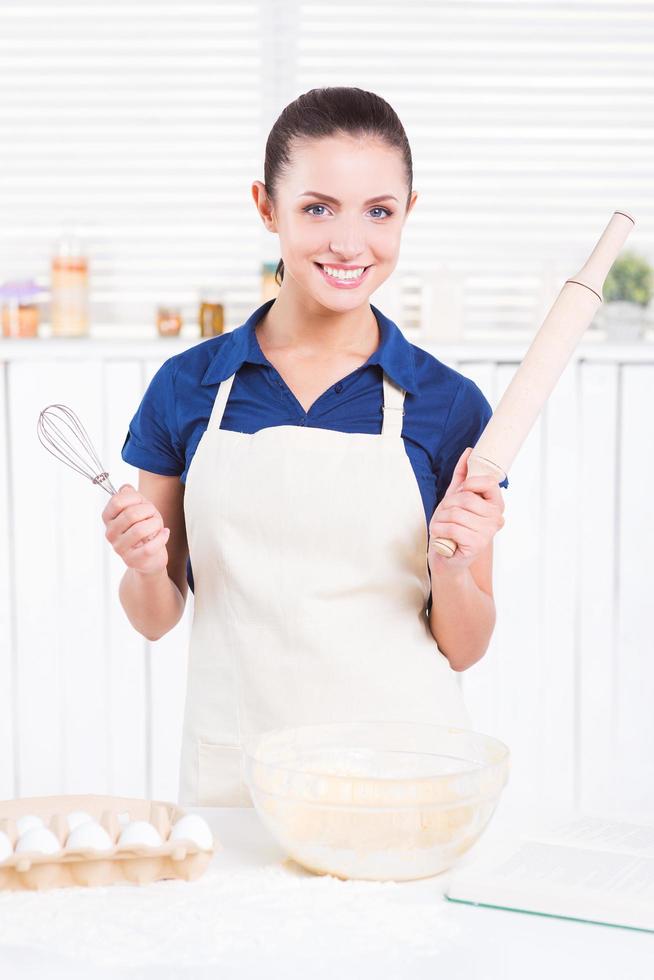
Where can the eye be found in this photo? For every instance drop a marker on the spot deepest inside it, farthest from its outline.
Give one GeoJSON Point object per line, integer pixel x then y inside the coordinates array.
{"type": "Point", "coordinates": [310, 208]}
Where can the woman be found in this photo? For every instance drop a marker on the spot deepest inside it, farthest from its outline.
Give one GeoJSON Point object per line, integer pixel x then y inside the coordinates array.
{"type": "Point", "coordinates": [313, 443]}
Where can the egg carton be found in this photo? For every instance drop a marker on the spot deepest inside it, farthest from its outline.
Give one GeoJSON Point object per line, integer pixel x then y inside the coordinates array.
{"type": "Point", "coordinates": [135, 863]}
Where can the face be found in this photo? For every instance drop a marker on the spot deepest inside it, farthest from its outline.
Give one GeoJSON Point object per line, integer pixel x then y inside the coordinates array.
{"type": "Point", "coordinates": [338, 223]}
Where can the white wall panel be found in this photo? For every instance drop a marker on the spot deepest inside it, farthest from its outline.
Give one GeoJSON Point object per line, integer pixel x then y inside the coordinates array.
{"type": "Point", "coordinates": [7, 606]}
{"type": "Point", "coordinates": [60, 654]}
{"type": "Point", "coordinates": [167, 661]}
{"type": "Point", "coordinates": [597, 597]}
{"type": "Point", "coordinates": [634, 643]}
{"type": "Point", "coordinates": [127, 651]}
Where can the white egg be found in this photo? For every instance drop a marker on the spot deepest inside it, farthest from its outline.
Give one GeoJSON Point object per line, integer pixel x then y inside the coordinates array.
{"type": "Point", "coordinates": [27, 821]}
{"type": "Point", "coordinates": [123, 818]}
{"type": "Point", "coordinates": [139, 832]}
{"type": "Point", "coordinates": [39, 839]}
{"type": "Point", "coordinates": [194, 828]}
{"type": "Point", "coordinates": [77, 817]}
{"type": "Point", "coordinates": [90, 834]}
{"type": "Point", "coordinates": [6, 850]}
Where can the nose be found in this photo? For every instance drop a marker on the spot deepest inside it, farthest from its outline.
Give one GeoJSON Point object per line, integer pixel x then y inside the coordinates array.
{"type": "Point", "coordinates": [350, 243]}
{"type": "Point", "coordinates": [347, 250]}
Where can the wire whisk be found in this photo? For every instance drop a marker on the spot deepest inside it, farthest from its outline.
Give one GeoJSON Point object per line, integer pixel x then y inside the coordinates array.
{"type": "Point", "coordinates": [63, 435]}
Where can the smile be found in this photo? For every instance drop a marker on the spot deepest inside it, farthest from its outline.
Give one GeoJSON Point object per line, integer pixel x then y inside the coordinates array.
{"type": "Point", "coordinates": [343, 278]}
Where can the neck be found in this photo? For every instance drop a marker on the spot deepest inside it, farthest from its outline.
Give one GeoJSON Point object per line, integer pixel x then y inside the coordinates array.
{"type": "Point", "coordinates": [296, 323]}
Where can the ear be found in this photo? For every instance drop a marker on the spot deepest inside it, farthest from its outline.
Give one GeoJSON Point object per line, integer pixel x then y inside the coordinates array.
{"type": "Point", "coordinates": [264, 205]}
{"type": "Point", "coordinates": [412, 201]}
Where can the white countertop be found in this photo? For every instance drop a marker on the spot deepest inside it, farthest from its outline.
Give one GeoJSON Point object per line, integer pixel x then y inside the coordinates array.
{"type": "Point", "coordinates": [254, 913]}
{"type": "Point", "coordinates": [594, 347]}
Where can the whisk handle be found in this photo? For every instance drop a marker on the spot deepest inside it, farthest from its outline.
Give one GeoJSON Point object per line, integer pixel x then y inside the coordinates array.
{"type": "Point", "coordinates": [102, 480]}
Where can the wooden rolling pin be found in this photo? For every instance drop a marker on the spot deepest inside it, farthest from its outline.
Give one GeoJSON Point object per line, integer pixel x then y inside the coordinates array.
{"type": "Point", "coordinates": [549, 352]}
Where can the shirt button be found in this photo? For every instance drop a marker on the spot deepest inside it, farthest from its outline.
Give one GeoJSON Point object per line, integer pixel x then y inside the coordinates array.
{"type": "Point", "coordinates": [338, 387]}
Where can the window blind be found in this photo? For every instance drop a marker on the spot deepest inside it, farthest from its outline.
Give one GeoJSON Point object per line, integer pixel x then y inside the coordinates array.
{"type": "Point", "coordinates": [143, 124]}
{"type": "Point", "coordinates": [139, 125]}
{"type": "Point", "coordinates": [529, 122]}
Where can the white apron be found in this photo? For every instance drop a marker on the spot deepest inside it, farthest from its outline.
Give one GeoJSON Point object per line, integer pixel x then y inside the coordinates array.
{"type": "Point", "coordinates": [309, 557]}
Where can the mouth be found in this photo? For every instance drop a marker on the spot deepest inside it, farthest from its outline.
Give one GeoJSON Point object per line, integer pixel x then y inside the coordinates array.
{"type": "Point", "coordinates": [341, 283]}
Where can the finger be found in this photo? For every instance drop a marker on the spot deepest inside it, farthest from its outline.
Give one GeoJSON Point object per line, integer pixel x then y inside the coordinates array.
{"type": "Point", "coordinates": [474, 502]}
{"type": "Point", "coordinates": [484, 525]}
{"type": "Point", "coordinates": [132, 515]}
{"type": "Point", "coordinates": [461, 467]}
{"type": "Point", "coordinates": [460, 517]}
{"type": "Point", "coordinates": [123, 498]}
{"type": "Point", "coordinates": [152, 545]}
{"type": "Point", "coordinates": [463, 537]}
{"type": "Point", "coordinates": [483, 485]}
{"type": "Point", "coordinates": [460, 470]}
{"type": "Point", "coordinates": [142, 530]}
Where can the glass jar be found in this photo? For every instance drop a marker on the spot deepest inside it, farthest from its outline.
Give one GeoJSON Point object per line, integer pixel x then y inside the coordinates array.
{"type": "Point", "coordinates": [69, 311]}
{"type": "Point", "coordinates": [211, 312]}
{"type": "Point", "coordinates": [20, 311]}
{"type": "Point", "coordinates": [169, 320]}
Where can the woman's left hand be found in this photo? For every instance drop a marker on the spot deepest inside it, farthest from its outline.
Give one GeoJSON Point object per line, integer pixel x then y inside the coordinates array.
{"type": "Point", "coordinates": [470, 513]}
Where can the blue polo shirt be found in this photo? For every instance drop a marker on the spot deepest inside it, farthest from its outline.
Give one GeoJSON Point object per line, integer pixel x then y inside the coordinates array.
{"type": "Point", "coordinates": [444, 410]}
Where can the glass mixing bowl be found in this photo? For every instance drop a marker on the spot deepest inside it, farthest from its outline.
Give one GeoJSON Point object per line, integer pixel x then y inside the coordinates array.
{"type": "Point", "coordinates": [375, 800]}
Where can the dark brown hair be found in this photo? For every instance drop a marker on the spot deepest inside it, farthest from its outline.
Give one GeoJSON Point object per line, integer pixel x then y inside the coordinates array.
{"type": "Point", "coordinates": [332, 111]}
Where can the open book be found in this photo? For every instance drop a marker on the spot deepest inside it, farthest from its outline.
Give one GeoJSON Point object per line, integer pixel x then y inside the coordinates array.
{"type": "Point", "coordinates": [580, 867]}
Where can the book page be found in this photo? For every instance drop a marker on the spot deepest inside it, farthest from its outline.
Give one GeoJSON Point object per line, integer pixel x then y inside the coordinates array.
{"type": "Point", "coordinates": [592, 869]}
{"type": "Point", "coordinates": [599, 871]}
{"type": "Point", "coordinates": [599, 833]}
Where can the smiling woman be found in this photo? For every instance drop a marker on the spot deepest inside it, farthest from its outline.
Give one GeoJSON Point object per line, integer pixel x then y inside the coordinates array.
{"type": "Point", "coordinates": [367, 122]}
{"type": "Point", "coordinates": [316, 442]}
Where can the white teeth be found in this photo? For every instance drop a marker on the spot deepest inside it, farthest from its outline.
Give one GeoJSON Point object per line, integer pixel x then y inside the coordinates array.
{"type": "Point", "coordinates": [344, 273]}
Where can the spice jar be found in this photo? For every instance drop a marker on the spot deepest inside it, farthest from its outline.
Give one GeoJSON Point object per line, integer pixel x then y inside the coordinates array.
{"type": "Point", "coordinates": [211, 314]}
{"type": "Point", "coordinates": [70, 289]}
{"type": "Point", "coordinates": [169, 320]}
{"type": "Point", "coordinates": [20, 311]}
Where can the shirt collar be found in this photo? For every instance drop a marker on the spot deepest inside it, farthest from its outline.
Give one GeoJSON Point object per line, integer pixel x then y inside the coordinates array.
{"type": "Point", "coordinates": [394, 353]}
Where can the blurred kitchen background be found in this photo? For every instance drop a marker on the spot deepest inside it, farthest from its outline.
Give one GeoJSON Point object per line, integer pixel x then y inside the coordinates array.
{"type": "Point", "coordinates": [130, 135]}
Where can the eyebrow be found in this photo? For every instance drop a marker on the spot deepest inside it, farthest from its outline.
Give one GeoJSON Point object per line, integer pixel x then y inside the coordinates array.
{"type": "Point", "coordinates": [326, 197]}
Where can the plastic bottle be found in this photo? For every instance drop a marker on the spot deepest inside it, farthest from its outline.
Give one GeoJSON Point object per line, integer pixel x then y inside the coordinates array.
{"type": "Point", "coordinates": [69, 309]}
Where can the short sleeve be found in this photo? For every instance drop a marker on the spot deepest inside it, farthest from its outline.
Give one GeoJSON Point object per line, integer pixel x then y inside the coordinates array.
{"type": "Point", "coordinates": [152, 441]}
{"type": "Point", "coordinates": [468, 417]}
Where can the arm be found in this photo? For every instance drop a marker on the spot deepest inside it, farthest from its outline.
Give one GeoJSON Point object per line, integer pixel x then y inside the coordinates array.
{"type": "Point", "coordinates": [154, 602]}
{"type": "Point", "coordinates": [462, 617]}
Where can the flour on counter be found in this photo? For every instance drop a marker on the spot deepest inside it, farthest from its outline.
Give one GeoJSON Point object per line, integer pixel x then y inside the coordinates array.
{"type": "Point", "coordinates": [225, 913]}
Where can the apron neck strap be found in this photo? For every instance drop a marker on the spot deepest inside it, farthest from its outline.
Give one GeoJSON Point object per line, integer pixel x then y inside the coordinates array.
{"type": "Point", "coordinates": [393, 408]}
{"type": "Point", "coordinates": [220, 401]}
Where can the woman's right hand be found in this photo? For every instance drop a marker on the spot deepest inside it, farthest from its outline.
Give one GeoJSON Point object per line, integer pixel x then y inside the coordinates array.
{"type": "Point", "coordinates": [135, 530]}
